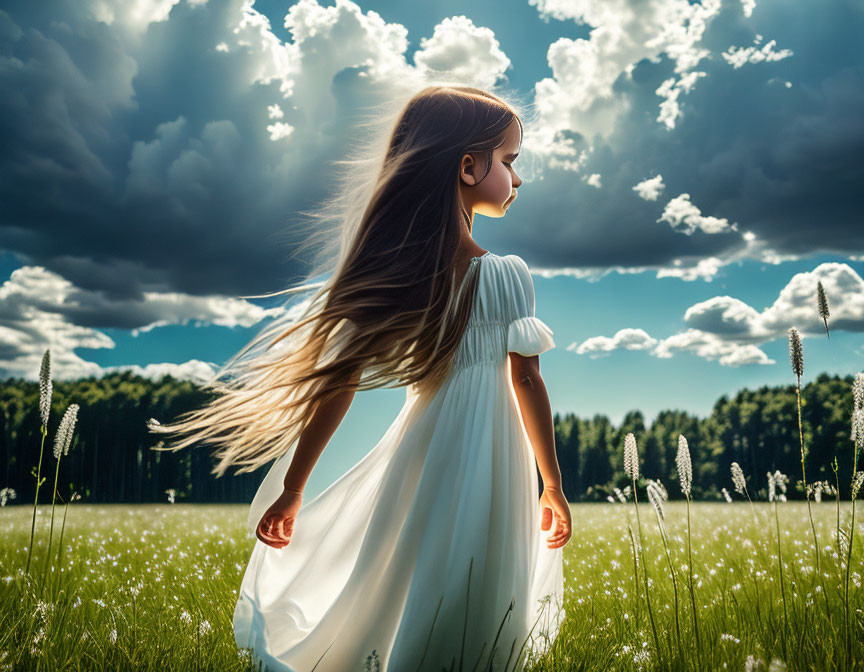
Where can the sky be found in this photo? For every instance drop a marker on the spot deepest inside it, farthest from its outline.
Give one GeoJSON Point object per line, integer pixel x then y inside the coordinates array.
{"type": "Point", "coordinates": [691, 172]}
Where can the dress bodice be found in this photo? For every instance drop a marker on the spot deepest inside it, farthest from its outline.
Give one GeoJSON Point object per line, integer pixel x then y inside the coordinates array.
{"type": "Point", "coordinates": [502, 316]}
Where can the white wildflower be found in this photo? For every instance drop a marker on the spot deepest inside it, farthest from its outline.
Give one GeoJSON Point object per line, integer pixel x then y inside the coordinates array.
{"type": "Point", "coordinates": [64, 432]}
{"type": "Point", "coordinates": [204, 627]}
{"type": "Point", "coordinates": [752, 664]}
{"type": "Point", "coordinates": [45, 388]}
{"type": "Point", "coordinates": [6, 494]}
{"type": "Point", "coordinates": [775, 481]}
{"type": "Point", "coordinates": [738, 479]}
{"type": "Point", "coordinates": [631, 457]}
{"type": "Point", "coordinates": [726, 494]}
{"type": "Point", "coordinates": [685, 467]}
{"type": "Point", "coordinates": [657, 495]}
{"type": "Point", "coordinates": [858, 390]}
{"type": "Point", "coordinates": [856, 483]}
{"type": "Point", "coordinates": [796, 354]}
{"type": "Point", "coordinates": [777, 665]}
{"type": "Point", "coordinates": [856, 431]}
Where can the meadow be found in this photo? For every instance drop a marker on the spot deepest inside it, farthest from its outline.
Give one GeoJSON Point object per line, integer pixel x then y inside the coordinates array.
{"type": "Point", "coordinates": [648, 585]}
{"type": "Point", "coordinates": [153, 587]}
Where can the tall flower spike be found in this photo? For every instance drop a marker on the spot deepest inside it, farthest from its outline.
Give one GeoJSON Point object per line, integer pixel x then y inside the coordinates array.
{"type": "Point", "coordinates": [795, 353]}
{"type": "Point", "coordinates": [771, 486]}
{"type": "Point", "coordinates": [857, 431]}
{"type": "Point", "coordinates": [64, 432]}
{"type": "Point", "coordinates": [858, 390]}
{"type": "Point", "coordinates": [631, 457]}
{"type": "Point", "coordinates": [738, 479]}
{"type": "Point", "coordinates": [822, 302]}
{"type": "Point", "coordinates": [726, 494]}
{"type": "Point", "coordinates": [856, 483]}
{"type": "Point", "coordinates": [45, 388]}
{"type": "Point", "coordinates": [657, 495]}
{"type": "Point", "coordinates": [780, 481]}
{"type": "Point", "coordinates": [684, 465]}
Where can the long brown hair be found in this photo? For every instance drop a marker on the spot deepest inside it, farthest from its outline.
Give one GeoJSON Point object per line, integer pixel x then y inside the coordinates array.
{"type": "Point", "coordinates": [393, 310]}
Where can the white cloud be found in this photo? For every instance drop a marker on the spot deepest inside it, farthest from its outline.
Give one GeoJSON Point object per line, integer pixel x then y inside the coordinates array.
{"type": "Point", "coordinates": [684, 217]}
{"type": "Point", "coordinates": [670, 90]}
{"type": "Point", "coordinates": [194, 370]}
{"type": "Point", "coordinates": [593, 180]}
{"type": "Point", "coordinates": [280, 130]}
{"type": "Point", "coordinates": [728, 330]}
{"type": "Point", "coordinates": [461, 51]}
{"type": "Point", "coordinates": [40, 310]}
{"type": "Point", "coordinates": [579, 96]}
{"type": "Point", "coordinates": [704, 269]}
{"type": "Point", "coordinates": [651, 188]}
{"type": "Point", "coordinates": [628, 339]}
{"type": "Point", "coordinates": [739, 56]}
{"type": "Point", "coordinates": [711, 347]}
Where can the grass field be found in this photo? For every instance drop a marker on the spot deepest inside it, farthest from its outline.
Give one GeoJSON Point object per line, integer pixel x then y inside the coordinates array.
{"type": "Point", "coordinates": [153, 587]}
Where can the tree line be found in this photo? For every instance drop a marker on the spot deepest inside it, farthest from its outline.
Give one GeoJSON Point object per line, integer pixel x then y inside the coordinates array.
{"type": "Point", "coordinates": [110, 458]}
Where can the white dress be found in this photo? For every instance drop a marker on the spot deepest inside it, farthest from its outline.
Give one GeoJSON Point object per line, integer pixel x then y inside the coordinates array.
{"type": "Point", "coordinates": [452, 486]}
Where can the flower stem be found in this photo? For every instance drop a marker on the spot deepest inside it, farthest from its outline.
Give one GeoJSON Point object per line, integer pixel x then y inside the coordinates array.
{"type": "Point", "coordinates": [849, 556]}
{"type": "Point", "coordinates": [809, 508]}
{"type": "Point", "coordinates": [782, 589]}
{"type": "Point", "coordinates": [645, 572]}
{"type": "Point", "coordinates": [690, 571]}
{"type": "Point", "coordinates": [51, 533]}
{"type": "Point", "coordinates": [36, 498]}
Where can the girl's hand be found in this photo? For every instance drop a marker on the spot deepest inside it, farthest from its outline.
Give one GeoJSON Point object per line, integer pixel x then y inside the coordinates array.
{"type": "Point", "coordinates": [552, 501]}
{"type": "Point", "coordinates": [277, 523]}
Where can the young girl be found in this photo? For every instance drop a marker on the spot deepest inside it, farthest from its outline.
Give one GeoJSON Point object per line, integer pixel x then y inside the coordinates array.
{"type": "Point", "coordinates": [427, 554]}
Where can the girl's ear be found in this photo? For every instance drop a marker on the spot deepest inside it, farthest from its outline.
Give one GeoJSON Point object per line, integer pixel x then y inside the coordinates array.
{"type": "Point", "coordinates": [467, 169]}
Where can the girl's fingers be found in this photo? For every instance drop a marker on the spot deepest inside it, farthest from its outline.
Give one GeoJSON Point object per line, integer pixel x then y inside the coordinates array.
{"type": "Point", "coordinates": [266, 534]}
{"type": "Point", "coordinates": [562, 532]}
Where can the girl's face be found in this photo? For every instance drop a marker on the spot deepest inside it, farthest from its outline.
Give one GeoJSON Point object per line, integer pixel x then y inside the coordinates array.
{"type": "Point", "coordinates": [495, 192]}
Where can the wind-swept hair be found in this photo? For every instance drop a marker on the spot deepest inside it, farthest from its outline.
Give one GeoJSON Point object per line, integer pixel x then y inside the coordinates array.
{"type": "Point", "coordinates": [392, 310]}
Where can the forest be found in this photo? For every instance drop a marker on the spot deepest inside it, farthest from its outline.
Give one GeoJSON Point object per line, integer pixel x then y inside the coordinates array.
{"type": "Point", "coordinates": [110, 457]}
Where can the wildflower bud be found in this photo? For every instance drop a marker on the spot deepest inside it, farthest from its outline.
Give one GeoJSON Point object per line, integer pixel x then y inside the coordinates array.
{"type": "Point", "coordinates": [856, 483]}
{"type": "Point", "coordinates": [656, 495]}
{"type": "Point", "coordinates": [685, 467]}
{"type": "Point", "coordinates": [856, 432]}
{"type": "Point", "coordinates": [795, 353]}
{"type": "Point", "coordinates": [45, 388]}
{"type": "Point", "coordinates": [858, 390]}
{"type": "Point", "coordinates": [822, 305]}
{"type": "Point", "coordinates": [64, 432]}
{"type": "Point", "coordinates": [631, 457]}
{"type": "Point", "coordinates": [738, 479]}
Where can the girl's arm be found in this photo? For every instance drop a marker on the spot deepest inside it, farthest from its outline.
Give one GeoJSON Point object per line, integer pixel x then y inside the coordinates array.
{"type": "Point", "coordinates": [315, 436]}
{"type": "Point", "coordinates": [536, 414]}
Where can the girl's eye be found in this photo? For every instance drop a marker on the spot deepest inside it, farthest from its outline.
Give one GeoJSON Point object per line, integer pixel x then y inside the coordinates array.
{"type": "Point", "coordinates": [506, 163]}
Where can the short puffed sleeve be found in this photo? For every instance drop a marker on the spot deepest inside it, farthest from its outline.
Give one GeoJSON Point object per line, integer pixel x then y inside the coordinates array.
{"type": "Point", "coordinates": [527, 334]}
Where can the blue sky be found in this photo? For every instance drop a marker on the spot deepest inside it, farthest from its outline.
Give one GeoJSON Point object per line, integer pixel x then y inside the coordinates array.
{"type": "Point", "coordinates": [691, 171]}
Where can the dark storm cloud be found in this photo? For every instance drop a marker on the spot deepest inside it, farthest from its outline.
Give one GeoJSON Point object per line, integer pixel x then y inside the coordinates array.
{"type": "Point", "coordinates": [137, 166]}
{"type": "Point", "coordinates": [782, 163]}
{"type": "Point", "coordinates": [139, 161]}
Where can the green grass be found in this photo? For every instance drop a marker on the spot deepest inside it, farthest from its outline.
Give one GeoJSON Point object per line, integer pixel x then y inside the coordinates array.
{"type": "Point", "coordinates": [189, 559]}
